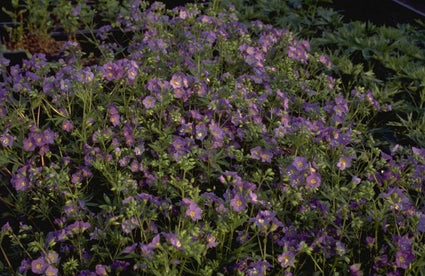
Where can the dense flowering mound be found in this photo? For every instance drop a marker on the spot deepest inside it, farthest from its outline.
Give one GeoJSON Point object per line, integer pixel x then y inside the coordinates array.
{"type": "Point", "coordinates": [205, 147]}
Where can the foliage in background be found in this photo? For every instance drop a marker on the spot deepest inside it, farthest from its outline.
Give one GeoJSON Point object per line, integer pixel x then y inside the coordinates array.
{"type": "Point", "coordinates": [388, 60]}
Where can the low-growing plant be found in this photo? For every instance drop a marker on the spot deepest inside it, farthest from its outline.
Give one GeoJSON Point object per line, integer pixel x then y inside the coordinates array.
{"type": "Point", "coordinates": [205, 147]}
{"type": "Point", "coordinates": [386, 59]}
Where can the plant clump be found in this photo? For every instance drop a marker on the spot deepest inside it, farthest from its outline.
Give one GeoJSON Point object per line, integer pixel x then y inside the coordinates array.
{"type": "Point", "coordinates": [204, 147]}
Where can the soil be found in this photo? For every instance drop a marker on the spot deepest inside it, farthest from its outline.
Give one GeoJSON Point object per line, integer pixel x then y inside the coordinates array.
{"type": "Point", "coordinates": [37, 44]}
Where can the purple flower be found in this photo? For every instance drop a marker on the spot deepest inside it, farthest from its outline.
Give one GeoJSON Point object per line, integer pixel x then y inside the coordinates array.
{"type": "Point", "coordinates": [355, 270]}
{"type": "Point", "coordinates": [76, 11]}
{"type": "Point", "coordinates": [256, 153]}
{"type": "Point", "coordinates": [258, 268]}
{"type": "Point", "coordinates": [216, 131]}
{"type": "Point", "coordinates": [132, 72]}
{"type": "Point", "coordinates": [201, 131]}
{"type": "Point", "coordinates": [344, 162]}
{"type": "Point", "coordinates": [325, 61]}
{"type": "Point", "coordinates": [287, 259]}
{"type": "Point", "coordinates": [114, 116]}
{"type": "Point", "coordinates": [179, 81]}
{"type": "Point", "coordinates": [25, 266]}
{"type": "Point", "coordinates": [135, 166]}
{"type": "Point", "coordinates": [67, 126]}
{"type": "Point", "coordinates": [38, 139]}
{"type": "Point", "coordinates": [404, 258]}
{"type": "Point", "coordinates": [48, 136]}
{"type": "Point", "coordinates": [85, 75]}
{"type": "Point", "coordinates": [112, 71]}
{"type": "Point", "coordinates": [300, 163]}
{"type": "Point", "coordinates": [77, 227]}
{"type": "Point", "coordinates": [313, 180]}
{"type": "Point", "coordinates": [129, 225]}
{"type": "Point", "coordinates": [193, 211]}
{"type": "Point", "coordinates": [20, 182]}
{"type": "Point", "coordinates": [101, 270]}
{"type": "Point", "coordinates": [38, 266]}
{"type": "Point", "coordinates": [180, 146]}
{"type": "Point", "coordinates": [52, 257]}
{"type": "Point", "coordinates": [173, 240]}
{"type": "Point", "coordinates": [6, 139]}
{"type": "Point", "coordinates": [298, 51]}
{"type": "Point", "coordinates": [149, 102]}
{"type": "Point", "coordinates": [148, 249]}
{"type": "Point", "coordinates": [296, 180]}
{"type": "Point", "coordinates": [51, 271]}
{"type": "Point", "coordinates": [266, 156]}
{"type": "Point", "coordinates": [266, 218]}
{"type": "Point", "coordinates": [29, 144]}
{"type": "Point", "coordinates": [120, 265]}
{"type": "Point", "coordinates": [6, 227]}
{"type": "Point", "coordinates": [238, 203]}
{"type": "Point", "coordinates": [340, 248]}
{"type": "Point", "coordinates": [370, 241]}
{"type": "Point", "coordinates": [212, 242]}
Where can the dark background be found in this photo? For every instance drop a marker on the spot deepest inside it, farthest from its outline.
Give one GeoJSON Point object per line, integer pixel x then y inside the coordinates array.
{"type": "Point", "coordinates": [376, 11]}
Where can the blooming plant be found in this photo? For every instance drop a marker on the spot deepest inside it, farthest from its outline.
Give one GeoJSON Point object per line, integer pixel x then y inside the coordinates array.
{"type": "Point", "coordinates": [205, 147]}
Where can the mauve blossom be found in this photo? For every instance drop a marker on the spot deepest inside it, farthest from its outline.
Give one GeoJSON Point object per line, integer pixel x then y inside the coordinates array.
{"type": "Point", "coordinates": [212, 242]}
{"type": "Point", "coordinates": [101, 270]}
{"type": "Point", "coordinates": [29, 144]}
{"type": "Point", "coordinates": [132, 71]}
{"type": "Point", "coordinates": [77, 227]}
{"type": "Point", "coordinates": [287, 259]}
{"type": "Point", "coordinates": [149, 102]}
{"type": "Point", "coordinates": [76, 11]}
{"type": "Point", "coordinates": [193, 211]}
{"type": "Point", "coordinates": [38, 266]}
{"type": "Point", "coordinates": [355, 270]}
{"type": "Point", "coordinates": [201, 131]}
{"type": "Point", "coordinates": [266, 156]}
{"type": "Point", "coordinates": [258, 268]}
{"type": "Point", "coordinates": [403, 259]}
{"type": "Point", "coordinates": [298, 51]}
{"type": "Point", "coordinates": [85, 75]}
{"type": "Point", "coordinates": [24, 266]}
{"type": "Point", "coordinates": [300, 163]}
{"type": "Point", "coordinates": [370, 241]}
{"type": "Point", "coordinates": [129, 225]}
{"type": "Point", "coordinates": [52, 257]}
{"type": "Point", "coordinates": [173, 240]}
{"type": "Point", "coordinates": [51, 271]}
{"type": "Point", "coordinates": [238, 203]}
{"type": "Point", "coordinates": [313, 180]}
{"type": "Point", "coordinates": [48, 136]}
{"type": "Point", "coordinates": [178, 81]}
{"type": "Point", "coordinates": [344, 162]}
{"type": "Point", "coordinates": [256, 153]}
{"type": "Point", "coordinates": [6, 140]}
{"type": "Point", "coordinates": [20, 182]}
{"type": "Point", "coordinates": [67, 126]}
{"type": "Point", "coordinates": [114, 116]}
{"type": "Point", "coordinates": [112, 71]}
{"type": "Point", "coordinates": [325, 61]}
{"type": "Point", "coordinates": [296, 179]}
{"type": "Point", "coordinates": [120, 265]}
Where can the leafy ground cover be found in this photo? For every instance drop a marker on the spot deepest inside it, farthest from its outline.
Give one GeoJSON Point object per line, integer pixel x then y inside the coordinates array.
{"type": "Point", "coordinates": [204, 147]}
{"type": "Point", "coordinates": [388, 60]}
